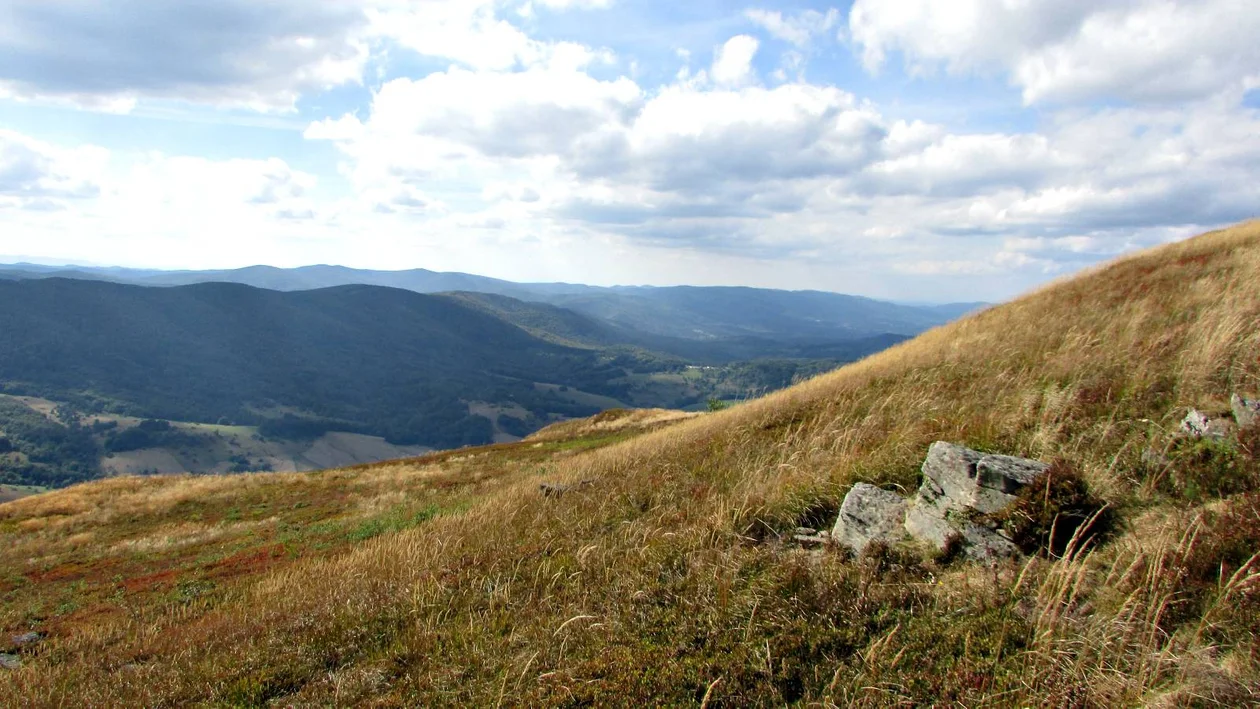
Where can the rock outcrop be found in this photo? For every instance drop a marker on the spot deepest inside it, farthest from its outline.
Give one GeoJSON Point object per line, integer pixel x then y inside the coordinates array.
{"type": "Point", "coordinates": [1246, 411]}
{"type": "Point", "coordinates": [1200, 425]}
{"type": "Point", "coordinates": [958, 485]}
{"type": "Point", "coordinates": [869, 514]}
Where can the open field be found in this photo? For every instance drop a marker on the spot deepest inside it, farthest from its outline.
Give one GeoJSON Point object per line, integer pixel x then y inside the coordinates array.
{"type": "Point", "coordinates": [450, 581]}
{"type": "Point", "coordinates": [9, 493]}
{"type": "Point", "coordinates": [219, 447]}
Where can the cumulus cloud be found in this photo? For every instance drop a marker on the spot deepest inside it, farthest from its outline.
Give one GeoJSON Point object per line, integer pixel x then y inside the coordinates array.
{"type": "Point", "coordinates": [732, 63]}
{"type": "Point", "coordinates": [40, 176]}
{"type": "Point", "coordinates": [221, 52]}
{"type": "Point", "coordinates": [1072, 50]}
{"type": "Point", "coordinates": [473, 34]}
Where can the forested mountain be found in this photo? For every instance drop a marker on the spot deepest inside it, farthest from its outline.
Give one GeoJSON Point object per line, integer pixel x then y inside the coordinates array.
{"type": "Point", "coordinates": [433, 370]}
{"type": "Point", "coordinates": [377, 360]}
{"type": "Point", "coordinates": [682, 312]}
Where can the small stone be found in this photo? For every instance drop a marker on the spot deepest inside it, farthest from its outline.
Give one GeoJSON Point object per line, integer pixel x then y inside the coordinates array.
{"type": "Point", "coordinates": [1246, 411]}
{"type": "Point", "coordinates": [869, 514]}
{"type": "Point", "coordinates": [558, 489]}
{"type": "Point", "coordinates": [552, 489]}
{"type": "Point", "coordinates": [26, 639]}
{"type": "Point", "coordinates": [9, 662]}
{"type": "Point", "coordinates": [1200, 425]}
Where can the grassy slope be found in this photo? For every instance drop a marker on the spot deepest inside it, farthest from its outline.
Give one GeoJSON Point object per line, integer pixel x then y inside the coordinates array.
{"type": "Point", "coordinates": [667, 580]}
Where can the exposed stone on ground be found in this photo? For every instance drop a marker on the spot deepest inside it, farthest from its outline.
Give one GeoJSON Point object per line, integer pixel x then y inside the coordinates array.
{"type": "Point", "coordinates": [1246, 411]}
{"type": "Point", "coordinates": [958, 483]}
{"type": "Point", "coordinates": [558, 489]}
{"type": "Point", "coordinates": [958, 478]}
{"type": "Point", "coordinates": [1200, 425]}
{"type": "Point", "coordinates": [9, 662]}
{"type": "Point", "coordinates": [26, 639]}
{"type": "Point", "coordinates": [809, 536]}
{"type": "Point", "coordinates": [869, 514]}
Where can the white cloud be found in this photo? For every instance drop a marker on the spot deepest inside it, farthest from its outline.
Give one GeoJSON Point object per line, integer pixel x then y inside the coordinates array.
{"type": "Point", "coordinates": [732, 63]}
{"type": "Point", "coordinates": [799, 29]}
{"type": "Point", "coordinates": [471, 33]}
{"type": "Point", "coordinates": [226, 53]}
{"type": "Point", "coordinates": [1072, 50]}
{"type": "Point", "coordinates": [38, 175]}
{"type": "Point", "coordinates": [575, 4]}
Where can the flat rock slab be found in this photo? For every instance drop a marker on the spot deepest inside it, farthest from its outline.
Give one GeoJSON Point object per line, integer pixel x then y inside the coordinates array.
{"type": "Point", "coordinates": [869, 514]}
{"type": "Point", "coordinates": [9, 662]}
{"type": "Point", "coordinates": [1246, 411]}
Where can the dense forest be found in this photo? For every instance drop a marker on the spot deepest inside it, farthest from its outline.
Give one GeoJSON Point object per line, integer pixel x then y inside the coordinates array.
{"type": "Point", "coordinates": [35, 450]}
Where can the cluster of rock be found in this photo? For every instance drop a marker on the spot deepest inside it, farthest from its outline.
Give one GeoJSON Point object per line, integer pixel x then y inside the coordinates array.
{"type": "Point", "coordinates": [1200, 425]}
{"type": "Point", "coordinates": [13, 662]}
{"type": "Point", "coordinates": [958, 484]}
{"type": "Point", "coordinates": [961, 485]}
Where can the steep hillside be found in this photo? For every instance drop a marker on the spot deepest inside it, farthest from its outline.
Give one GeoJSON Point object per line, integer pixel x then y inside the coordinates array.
{"type": "Point", "coordinates": [663, 576]}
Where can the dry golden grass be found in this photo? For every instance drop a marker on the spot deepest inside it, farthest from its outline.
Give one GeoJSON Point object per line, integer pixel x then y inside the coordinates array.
{"type": "Point", "coordinates": [613, 421]}
{"type": "Point", "coordinates": [451, 581]}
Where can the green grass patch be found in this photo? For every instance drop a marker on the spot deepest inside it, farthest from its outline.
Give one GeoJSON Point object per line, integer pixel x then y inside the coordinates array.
{"type": "Point", "coordinates": [396, 521]}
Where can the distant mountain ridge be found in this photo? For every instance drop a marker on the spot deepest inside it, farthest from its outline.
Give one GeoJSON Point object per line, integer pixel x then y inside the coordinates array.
{"type": "Point", "coordinates": [683, 312]}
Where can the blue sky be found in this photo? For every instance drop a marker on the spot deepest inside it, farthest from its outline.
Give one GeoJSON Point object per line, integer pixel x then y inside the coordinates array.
{"type": "Point", "coordinates": [905, 149]}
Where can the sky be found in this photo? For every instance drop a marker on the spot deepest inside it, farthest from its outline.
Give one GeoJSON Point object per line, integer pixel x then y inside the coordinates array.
{"type": "Point", "coordinates": [905, 149]}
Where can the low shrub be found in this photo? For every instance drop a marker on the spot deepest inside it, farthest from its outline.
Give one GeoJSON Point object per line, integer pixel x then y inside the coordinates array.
{"type": "Point", "coordinates": [1048, 514]}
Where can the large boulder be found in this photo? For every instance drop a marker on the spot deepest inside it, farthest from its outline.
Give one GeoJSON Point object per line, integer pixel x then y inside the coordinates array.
{"type": "Point", "coordinates": [869, 514]}
{"type": "Point", "coordinates": [1246, 411]}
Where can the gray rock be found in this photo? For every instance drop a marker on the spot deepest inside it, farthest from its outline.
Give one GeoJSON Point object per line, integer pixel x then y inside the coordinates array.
{"type": "Point", "coordinates": [26, 639]}
{"type": "Point", "coordinates": [867, 515]}
{"type": "Point", "coordinates": [1200, 425]}
{"type": "Point", "coordinates": [985, 545]}
{"type": "Point", "coordinates": [1246, 411]}
{"type": "Point", "coordinates": [812, 540]}
{"type": "Point", "coordinates": [926, 524]}
{"type": "Point", "coordinates": [558, 489]}
{"type": "Point", "coordinates": [958, 478]}
{"type": "Point", "coordinates": [978, 543]}
{"type": "Point", "coordinates": [9, 662]}
{"type": "Point", "coordinates": [958, 482]}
